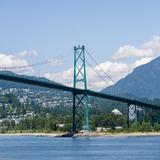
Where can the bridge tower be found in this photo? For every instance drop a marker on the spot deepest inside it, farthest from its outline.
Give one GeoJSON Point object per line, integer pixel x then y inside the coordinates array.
{"type": "Point", "coordinates": [80, 101]}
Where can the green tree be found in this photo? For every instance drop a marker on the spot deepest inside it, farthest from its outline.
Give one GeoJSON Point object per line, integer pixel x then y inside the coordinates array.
{"type": "Point", "coordinates": [145, 127]}
{"type": "Point", "coordinates": [157, 127]}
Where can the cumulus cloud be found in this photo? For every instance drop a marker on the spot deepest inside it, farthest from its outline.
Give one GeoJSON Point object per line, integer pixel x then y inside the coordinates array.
{"type": "Point", "coordinates": [153, 45]}
{"type": "Point", "coordinates": [10, 61]}
{"type": "Point", "coordinates": [148, 49]}
{"type": "Point", "coordinates": [128, 51]}
{"type": "Point", "coordinates": [116, 67]}
{"type": "Point", "coordinates": [18, 63]}
{"type": "Point", "coordinates": [65, 77]}
{"type": "Point", "coordinates": [142, 61]}
{"type": "Point", "coordinates": [116, 70]}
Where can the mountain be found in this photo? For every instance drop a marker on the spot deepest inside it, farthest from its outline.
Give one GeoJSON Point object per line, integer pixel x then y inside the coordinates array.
{"type": "Point", "coordinates": [143, 82]}
{"type": "Point", "coordinates": [6, 84]}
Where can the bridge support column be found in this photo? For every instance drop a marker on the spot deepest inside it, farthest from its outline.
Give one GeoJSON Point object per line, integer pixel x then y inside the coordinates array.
{"type": "Point", "coordinates": [132, 113]}
{"type": "Point", "coordinates": [152, 117]}
{"type": "Point", "coordinates": [80, 101]}
{"type": "Point", "coordinates": [74, 115]}
{"type": "Point", "coordinates": [128, 122]}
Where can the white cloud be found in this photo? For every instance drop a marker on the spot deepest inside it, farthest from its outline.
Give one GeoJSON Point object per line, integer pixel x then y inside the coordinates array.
{"type": "Point", "coordinates": [115, 68]}
{"type": "Point", "coordinates": [128, 51]}
{"type": "Point", "coordinates": [142, 61]}
{"type": "Point", "coordinates": [153, 45]}
{"type": "Point", "coordinates": [10, 61]}
{"type": "Point", "coordinates": [148, 49]}
{"type": "Point", "coordinates": [64, 77]}
{"type": "Point", "coordinates": [26, 53]}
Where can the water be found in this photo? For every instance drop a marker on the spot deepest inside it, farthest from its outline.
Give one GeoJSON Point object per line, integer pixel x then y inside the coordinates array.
{"type": "Point", "coordinates": [103, 148]}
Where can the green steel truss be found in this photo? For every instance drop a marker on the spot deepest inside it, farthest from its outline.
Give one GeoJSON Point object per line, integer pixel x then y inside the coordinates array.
{"type": "Point", "coordinates": [80, 101]}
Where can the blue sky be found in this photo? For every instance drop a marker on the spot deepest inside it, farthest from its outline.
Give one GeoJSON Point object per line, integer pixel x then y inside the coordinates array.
{"type": "Point", "coordinates": [51, 27]}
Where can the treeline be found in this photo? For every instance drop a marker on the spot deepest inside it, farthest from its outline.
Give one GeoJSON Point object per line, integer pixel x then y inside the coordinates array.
{"type": "Point", "coordinates": [107, 120]}
{"type": "Point", "coordinates": [49, 123]}
{"type": "Point", "coordinates": [144, 127]}
{"type": "Point", "coordinates": [38, 123]}
{"type": "Point", "coordinates": [49, 119]}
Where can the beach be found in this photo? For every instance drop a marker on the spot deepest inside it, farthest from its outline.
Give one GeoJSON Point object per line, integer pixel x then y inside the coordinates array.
{"type": "Point", "coordinates": [89, 134]}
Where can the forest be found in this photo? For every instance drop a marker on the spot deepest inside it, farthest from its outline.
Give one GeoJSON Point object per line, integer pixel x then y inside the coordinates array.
{"type": "Point", "coordinates": [18, 117]}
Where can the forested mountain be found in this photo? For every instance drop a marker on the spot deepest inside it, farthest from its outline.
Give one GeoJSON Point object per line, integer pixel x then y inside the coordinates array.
{"type": "Point", "coordinates": [143, 82]}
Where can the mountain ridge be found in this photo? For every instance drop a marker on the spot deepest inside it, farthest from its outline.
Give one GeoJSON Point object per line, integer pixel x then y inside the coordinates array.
{"type": "Point", "coordinates": [143, 82]}
{"type": "Point", "coordinates": [6, 84]}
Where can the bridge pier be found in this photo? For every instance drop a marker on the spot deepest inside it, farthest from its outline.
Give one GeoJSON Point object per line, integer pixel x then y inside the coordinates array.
{"type": "Point", "coordinates": [128, 122]}
{"type": "Point", "coordinates": [74, 115]}
{"type": "Point", "coordinates": [132, 114]}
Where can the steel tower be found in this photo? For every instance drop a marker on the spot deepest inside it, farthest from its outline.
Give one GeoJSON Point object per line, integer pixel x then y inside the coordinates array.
{"type": "Point", "coordinates": [80, 101]}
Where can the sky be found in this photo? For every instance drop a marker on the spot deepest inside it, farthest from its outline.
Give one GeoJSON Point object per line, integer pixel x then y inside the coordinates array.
{"type": "Point", "coordinates": [120, 35]}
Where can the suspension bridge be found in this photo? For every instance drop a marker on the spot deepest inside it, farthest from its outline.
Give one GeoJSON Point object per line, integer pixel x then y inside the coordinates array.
{"type": "Point", "coordinates": [80, 94]}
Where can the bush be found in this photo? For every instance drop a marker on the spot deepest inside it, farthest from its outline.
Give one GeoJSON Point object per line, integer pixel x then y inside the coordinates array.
{"type": "Point", "coordinates": [145, 127]}
{"type": "Point", "coordinates": [157, 127]}
{"type": "Point", "coordinates": [134, 127]}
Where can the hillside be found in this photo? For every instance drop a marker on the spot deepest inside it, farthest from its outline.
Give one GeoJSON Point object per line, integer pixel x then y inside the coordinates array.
{"type": "Point", "coordinates": [6, 84]}
{"type": "Point", "coordinates": [143, 82]}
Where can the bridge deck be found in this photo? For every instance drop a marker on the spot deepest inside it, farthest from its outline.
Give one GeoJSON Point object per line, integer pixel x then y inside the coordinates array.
{"type": "Point", "coordinates": [22, 79]}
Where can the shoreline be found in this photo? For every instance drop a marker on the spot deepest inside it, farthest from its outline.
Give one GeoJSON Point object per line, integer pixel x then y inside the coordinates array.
{"type": "Point", "coordinates": [122, 134]}
{"type": "Point", "coordinates": [88, 134]}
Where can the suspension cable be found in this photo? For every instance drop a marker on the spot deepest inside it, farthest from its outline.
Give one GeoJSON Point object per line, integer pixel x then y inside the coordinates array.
{"type": "Point", "coordinates": [99, 66]}
{"type": "Point", "coordinates": [97, 73]}
{"type": "Point", "coordinates": [108, 76]}
{"type": "Point", "coordinates": [102, 78]}
{"type": "Point", "coordinates": [45, 62]}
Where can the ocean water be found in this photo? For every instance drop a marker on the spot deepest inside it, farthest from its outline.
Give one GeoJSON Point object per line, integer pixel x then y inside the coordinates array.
{"type": "Point", "coordinates": [83, 148]}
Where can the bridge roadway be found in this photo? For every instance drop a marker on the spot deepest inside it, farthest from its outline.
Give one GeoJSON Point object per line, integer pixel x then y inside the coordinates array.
{"type": "Point", "coordinates": [52, 85]}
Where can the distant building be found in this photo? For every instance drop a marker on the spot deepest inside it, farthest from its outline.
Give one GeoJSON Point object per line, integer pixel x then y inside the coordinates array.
{"type": "Point", "coordinates": [118, 127]}
{"type": "Point", "coordinates": [60, 125]}
{"type": "Point", "coordinates": [99, 129]}
{"type": "Point", "coordinates": [116, 112]}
